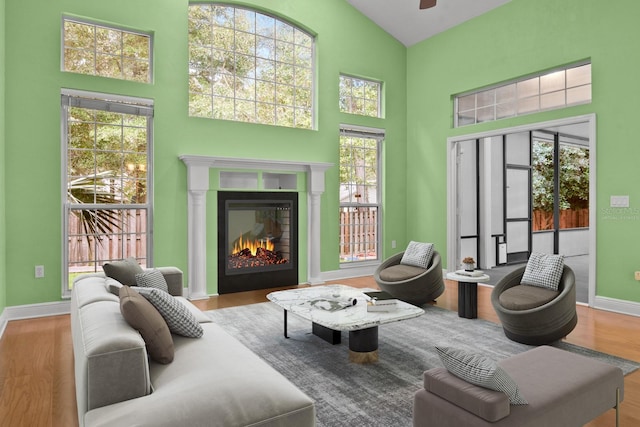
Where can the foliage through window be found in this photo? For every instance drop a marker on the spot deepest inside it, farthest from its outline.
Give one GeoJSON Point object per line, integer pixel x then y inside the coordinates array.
{"type": "Point", "coordinates": [248, 66]}
{"type": "Point", "coordinates": [359, 96]}
{"type": "Point", "coordinates": [106, 51]}
{"type": "Point", "coordinates": [107, 184]}
{"type": "Point", "coordinates": [573, 194]}
{"type": "Point", "coordinates": [547, 91]}
{"type": "Point", "coordinates": [359, 195]}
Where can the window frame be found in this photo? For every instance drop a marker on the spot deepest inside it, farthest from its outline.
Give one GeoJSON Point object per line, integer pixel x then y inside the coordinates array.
{"type": "Point", "coordinates": [121, 104]}
{"type": "Point", "coordinates": [378, 135]}
{"type": "Point", "coordinates": [256, 103]}
{"type": "Point", "coordinates": [487, 104]}
{"type": "Point", "coordinates": [364, 80]}
{"type": "Point", "coordinates": [95, 24]}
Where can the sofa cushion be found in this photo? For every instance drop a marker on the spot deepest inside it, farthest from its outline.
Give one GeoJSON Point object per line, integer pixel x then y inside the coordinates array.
{"type": "Point", "coordinates": [543, 270]}
{"type": "Point", "coordinates": [124, 271]}
{"type": "Point", "coordinates": [480, 370]}
{"type": "Point", "coordinates": [179, 319]}
{"type": "Point", "coordinates": [152, 278]}
{"type": "Point", "coordinates": [143, 317]}
{"type": "Point", "coordinates": [418, 254]}
{"type": "Point", "coordinates": [400, 272]}
{"type": "Point", "coordinates": [525, 297]}
{"type": "Point", "coordinates": [213, 381]}
{"type": "Point", "coordinates": [490, 405]}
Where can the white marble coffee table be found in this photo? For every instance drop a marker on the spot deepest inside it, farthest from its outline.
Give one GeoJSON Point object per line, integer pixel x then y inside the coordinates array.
{"type": "Point", "coordinates": [330, 309]}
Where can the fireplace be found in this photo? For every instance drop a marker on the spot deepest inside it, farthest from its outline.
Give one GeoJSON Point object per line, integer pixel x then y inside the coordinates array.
{"type": "Point", "coordinates": [257, 240]}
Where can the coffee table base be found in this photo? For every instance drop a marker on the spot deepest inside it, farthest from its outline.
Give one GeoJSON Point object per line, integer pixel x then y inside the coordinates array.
{"type": "Point", "coordinates": [363, 358]}
{"type": "Point", "coordinates": [363, 345]}
{"type": "Point", "coordinates": [329, 335]}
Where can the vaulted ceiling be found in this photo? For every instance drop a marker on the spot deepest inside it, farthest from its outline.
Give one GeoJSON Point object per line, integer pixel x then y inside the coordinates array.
{"type": "Point", "coordinates": [404, 20]}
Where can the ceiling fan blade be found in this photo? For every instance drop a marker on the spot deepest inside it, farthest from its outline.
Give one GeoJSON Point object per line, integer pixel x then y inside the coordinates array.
{"type": "Point", "coordinates": [426, 4]}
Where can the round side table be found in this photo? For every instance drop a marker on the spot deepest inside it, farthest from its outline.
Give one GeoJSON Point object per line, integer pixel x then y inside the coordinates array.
{"type": "Point", "coordinates": [467, 293]}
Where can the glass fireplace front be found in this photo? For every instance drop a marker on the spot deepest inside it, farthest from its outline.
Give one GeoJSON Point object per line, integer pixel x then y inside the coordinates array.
{"type": "Point", "coordinates": [257, 240]}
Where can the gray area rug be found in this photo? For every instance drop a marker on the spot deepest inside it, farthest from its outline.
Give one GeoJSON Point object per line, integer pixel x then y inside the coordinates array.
{"type": "Point", "coordinates": [380, 394]}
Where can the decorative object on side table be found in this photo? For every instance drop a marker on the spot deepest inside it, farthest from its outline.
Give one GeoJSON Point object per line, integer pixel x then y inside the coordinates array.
{"type": "Point", "coordinates": [469, 263]}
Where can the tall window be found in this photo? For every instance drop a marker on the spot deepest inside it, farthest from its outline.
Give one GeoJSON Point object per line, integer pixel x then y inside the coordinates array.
{"type": "Point", "coordinates": [106, 51]}
{"type": "Point", "coordinates": [360, 96]}
{"type": "Point", "coordinates": [107, 185]}
{"type": "Point", "coordinates": [547, 91]}
{"type": "Point", "coordinates": [249, 67]}
{"type": "Point", "coordinates": [359, 194]}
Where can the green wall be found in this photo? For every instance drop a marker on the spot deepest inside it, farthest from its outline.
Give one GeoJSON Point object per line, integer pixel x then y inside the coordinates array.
{"type": "Point", "coordinates": [517, 39]}
{"type": "Point", "coordinates": [346, 42]}
{"type": "Point", "coordinates": [3, 228]}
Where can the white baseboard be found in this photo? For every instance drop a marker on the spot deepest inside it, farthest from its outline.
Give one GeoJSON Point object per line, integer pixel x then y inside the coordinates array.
{"type": "Point", "coordinates": [32, 311]}
{"type": "Point", "coordinates": [349, 272]}
{"type": "Point", "coordinates": [617, 306]}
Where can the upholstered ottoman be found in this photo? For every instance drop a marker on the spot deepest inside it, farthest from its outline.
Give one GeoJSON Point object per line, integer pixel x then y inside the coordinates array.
{"type": "Point", "coordinates": [562, 389]}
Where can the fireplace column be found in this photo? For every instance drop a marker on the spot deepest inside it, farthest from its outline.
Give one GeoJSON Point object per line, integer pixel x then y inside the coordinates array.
{"type": "Point", "coordinates": [198, 185]}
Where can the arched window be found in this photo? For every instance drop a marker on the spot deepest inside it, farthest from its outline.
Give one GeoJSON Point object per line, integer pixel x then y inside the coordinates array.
{"type": "Point", "coordinates": [247, 66]}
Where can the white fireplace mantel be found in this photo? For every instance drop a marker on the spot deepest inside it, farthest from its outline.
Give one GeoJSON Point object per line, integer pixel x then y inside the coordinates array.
{"type": "Point", "coordinates": [197, 187]}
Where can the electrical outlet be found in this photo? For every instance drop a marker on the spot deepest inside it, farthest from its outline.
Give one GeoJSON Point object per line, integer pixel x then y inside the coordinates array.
{"type": "Point", "coordinates": [39, 271]}
{"type": "Point", "coordinates": [637, 275]}
{"type": "Point", "coordinates": [393, 244]}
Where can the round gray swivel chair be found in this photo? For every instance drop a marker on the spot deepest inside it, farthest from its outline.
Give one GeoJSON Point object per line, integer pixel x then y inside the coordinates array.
{"type": "Point", "coordinates": [411, 284]}
{"type": "Point", "coordinates": [533, 315]}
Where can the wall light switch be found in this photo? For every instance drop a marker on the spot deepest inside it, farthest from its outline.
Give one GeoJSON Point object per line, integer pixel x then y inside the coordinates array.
{"type": "Point", "coordinates": [637, 275]}
{"type": "Point", "coordinates": [619, 201]}
{"type": "Point", "coordinates": [393, 243]}
{"type": "Point", "coordinates": [39, 271]}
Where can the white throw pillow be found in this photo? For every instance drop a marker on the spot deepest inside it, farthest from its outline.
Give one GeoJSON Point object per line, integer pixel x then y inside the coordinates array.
{"type": "Point", "coordinates": [544, 271]}
{"type": "Point", "coordinates": [418, 254]}
{"type": "Point", "coordinates": [178, 318]}
{"type": "Point", "coordinates": [152, 278]}
{"type": "Point", "coordinates": [481, 371]}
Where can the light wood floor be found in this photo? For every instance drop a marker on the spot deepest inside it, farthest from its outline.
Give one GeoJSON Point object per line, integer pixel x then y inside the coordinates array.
{"type": "Point", "coordinates": [36, 359]}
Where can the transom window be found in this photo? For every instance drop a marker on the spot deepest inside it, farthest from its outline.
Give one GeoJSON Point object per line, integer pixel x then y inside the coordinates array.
{"type": "Point", "coordinates": [107, 185]}
{"type": "Point", "coordinates": [548, 91]}
{"type": "Point", "coordinates": [359, 194]}
{"type": "Point", "coordinates": [105, 51]}
{"type": "Point", "coordinates": [360, 96]}
{"type": "Point", "coordinates": [248, 66]}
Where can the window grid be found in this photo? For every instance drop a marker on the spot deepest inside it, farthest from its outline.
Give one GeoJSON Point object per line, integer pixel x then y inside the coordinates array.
{"type": "Point", "coordinates": [105, 51]}
{"type": "Point", "coordinates": [359, 220]}
{"type": "Point", "coordinates": [553, 90]}
{"type": "Point", "coordinates": [360, 96]}
{"type": "Point", "coordinates": [106, 191]}
{"type": "Point", "coordinates": [277, 89]}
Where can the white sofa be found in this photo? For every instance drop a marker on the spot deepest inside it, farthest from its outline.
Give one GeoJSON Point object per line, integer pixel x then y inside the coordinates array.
{"type": "Point", "coordinates": [212, 381]}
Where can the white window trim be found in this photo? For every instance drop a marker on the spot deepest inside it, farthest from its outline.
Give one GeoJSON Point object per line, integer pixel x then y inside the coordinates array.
{"type": "Point", "coordinates": [140, 103]}
{"type": "Point", "coordinates": [379, 135]}
{"type": "Point", "coordinates": [97, 23]}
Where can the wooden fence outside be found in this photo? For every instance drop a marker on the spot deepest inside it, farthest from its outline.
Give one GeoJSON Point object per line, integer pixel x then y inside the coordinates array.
{"type": "Point", "coordinates": [569, 218]}
{"type": "Point", "coordinates": [358, 233]}
{"type": "Point", "coordinates": [87, 252]}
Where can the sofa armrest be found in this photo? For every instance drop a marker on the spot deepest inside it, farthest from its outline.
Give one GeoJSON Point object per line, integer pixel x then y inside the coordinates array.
{"type": "Point", "coordinates": [173, 276]}
{"type": "Point", "coordinates": [487, 404]}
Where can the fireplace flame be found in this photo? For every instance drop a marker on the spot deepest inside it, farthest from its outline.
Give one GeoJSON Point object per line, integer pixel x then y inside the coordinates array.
{"type": "Point", "coordinates": [253, 245]}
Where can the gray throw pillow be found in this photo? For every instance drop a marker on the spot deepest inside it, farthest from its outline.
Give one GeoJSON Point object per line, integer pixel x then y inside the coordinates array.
{"type": "Point", "coordinates": [418, 254]}
{"type": "Point", "coordinates": [152, 278]}
{"type": "Point", "coordinates": [123, 271]}
{"type": "Point", "coordinates": [543, 270]}
{"type": "Point", "coordinates": [179, 319]}
{"type": "Point", "coordinates": [143, 317]}
{"type": "Point", "coordinates": [481, 371]}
